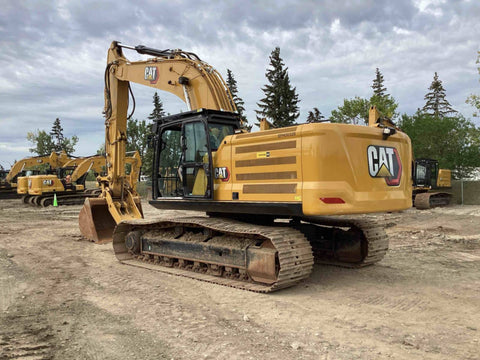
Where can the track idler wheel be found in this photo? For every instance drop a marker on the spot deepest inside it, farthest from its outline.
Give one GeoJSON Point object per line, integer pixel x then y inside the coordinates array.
{"type": "Point", "coordinates": [132, 241]}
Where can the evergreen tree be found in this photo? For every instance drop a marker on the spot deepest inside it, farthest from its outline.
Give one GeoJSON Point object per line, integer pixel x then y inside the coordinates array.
{"type": "Point", "coordinates": [280, 102]}
{"type": "Point", "coordinates": [57, 135]}
{"type": "Point", "coordinates": [355, 111]}
{"type": "Point", "coordinates": [158, 111]}
{"type": "Point", "coordinates": [138, 131]}
{"type": "Point", "coordinates": [232, 86]}
{"type": "Point", "coordinates": [384, 102]}
{"type": "Point", "coordinates": [437, 104]}
{"type": "Point", "coordinates": [315, 116]}
{"type": "Point", "coordinates": [378, 88]}
{"type": "Point", "coordinates": [44, 143]}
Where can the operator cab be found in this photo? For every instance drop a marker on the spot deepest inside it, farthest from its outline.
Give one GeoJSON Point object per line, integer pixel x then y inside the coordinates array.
{"type": "Point", "coordinates": [184, 146]}
{"type": "Point", "coordinates": [425, 173]}
{"type": "Point", "coordinates": [65, 174]}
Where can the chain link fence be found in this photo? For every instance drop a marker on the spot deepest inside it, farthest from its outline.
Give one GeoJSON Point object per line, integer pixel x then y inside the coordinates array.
{"type": "Point", "coordinates": [466, 192]}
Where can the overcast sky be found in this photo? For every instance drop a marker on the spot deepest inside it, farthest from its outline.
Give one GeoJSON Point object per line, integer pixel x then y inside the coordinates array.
{"type": "Point", "coordinates": [53, 54]}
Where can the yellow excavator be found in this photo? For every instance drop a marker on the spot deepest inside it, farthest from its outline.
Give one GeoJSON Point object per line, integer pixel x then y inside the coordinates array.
{"type": "Point", "coordinates": [276, 200]}
{"type": "Point", "coordinates": [8, 188]}
{"type": "Point", "coordinates": [68, 184]}
{"type": "Point", "coordinates": [431, 185]}
{"type": "Point", "coordinates": [22, 182]}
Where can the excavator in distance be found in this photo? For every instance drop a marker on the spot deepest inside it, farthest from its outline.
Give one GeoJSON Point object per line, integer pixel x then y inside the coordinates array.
{"type": "Point", "coordinates": [276, 200]}
{"type": "Point", "coordinates": [22, 182]}
{"type": "Point", "coordinates": [68, 184]}
{"type": "Point", "coordinates": [16, 175]}
{"type": "Point", "coordinates": [431, 184]}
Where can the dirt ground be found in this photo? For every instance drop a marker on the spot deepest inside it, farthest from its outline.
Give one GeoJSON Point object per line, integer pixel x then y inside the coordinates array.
{"type": "Point", "coordinates": [64, 298]}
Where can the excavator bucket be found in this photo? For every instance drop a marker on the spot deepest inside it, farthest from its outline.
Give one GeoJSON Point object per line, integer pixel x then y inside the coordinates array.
{"type": "Point", "coordinates": [96, 222]}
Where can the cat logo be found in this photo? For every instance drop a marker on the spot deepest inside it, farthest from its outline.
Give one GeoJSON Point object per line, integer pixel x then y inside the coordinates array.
{"type": "Point", "coordinates": [48, 182]}
{"type": "Point", "coordinates": [384, 162]}
{"type": "Point", "coordinates": [222, 173]}
{"type": "Point", "coordinates": [151, 74]}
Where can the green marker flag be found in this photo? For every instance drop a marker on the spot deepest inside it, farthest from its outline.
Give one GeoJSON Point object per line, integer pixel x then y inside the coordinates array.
{"type": "Point", "coordinates": [55, 200]}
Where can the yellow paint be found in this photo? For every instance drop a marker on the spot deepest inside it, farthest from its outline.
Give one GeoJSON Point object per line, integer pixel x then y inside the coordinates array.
{"type": "Point", "coordinates": [330, 161]}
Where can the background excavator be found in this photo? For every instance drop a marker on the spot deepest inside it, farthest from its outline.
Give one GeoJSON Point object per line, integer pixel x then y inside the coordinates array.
{"type": "Point", "coordinates": [275, 199]}
{"type": "Point", "coordinates": [22, 181]}
{"type": "Point", "coordinates": [430, 184]}
{"type": "Point", "coordinates": [8, 188]}
{"type": "Point", "coordinates": [68, 184]}
{"type": "Point", "coordinates": [5, 187]}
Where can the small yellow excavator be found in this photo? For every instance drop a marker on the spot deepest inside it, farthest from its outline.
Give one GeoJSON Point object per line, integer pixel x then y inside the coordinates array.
{"type": "Point", "coordinates": [68, 184]}
{"type": "Point", "coordinates": [431, 185]}
{"type": "Point", "coordinates": [8, 188]}
{"type": "Point", "coordinates": [275, 200]}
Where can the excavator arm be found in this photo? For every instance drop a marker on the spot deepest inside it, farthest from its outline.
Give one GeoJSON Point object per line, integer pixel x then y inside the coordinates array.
{"type": "Point", "coordinates": [180, 73]}
{"type": "Point", "coordinates": [55, 160]}
{"type": "Point", "coordinates": [95, 163]}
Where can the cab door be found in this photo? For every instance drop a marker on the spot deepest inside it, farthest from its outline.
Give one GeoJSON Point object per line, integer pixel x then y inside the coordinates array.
{"type": "Point", "coordinates": [196, 161]}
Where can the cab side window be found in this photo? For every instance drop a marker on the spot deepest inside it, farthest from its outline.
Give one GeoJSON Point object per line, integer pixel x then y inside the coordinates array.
{"type": "Point", "coordinates": [196, 142]}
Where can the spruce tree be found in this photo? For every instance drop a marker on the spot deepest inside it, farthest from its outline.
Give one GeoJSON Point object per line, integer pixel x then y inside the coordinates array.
{"type": "Point", "coordinates": [57, 135]}
{"type": "Point", "coordinates": [144, 130]}
{"type": "Point", "coordinates": [315, 116]}
{"type": "Point", "coordinates": [158, 111]}
{"type": "Point", "coordinates": [437, 104]}
{"type": "Point", "coordinates": [384, 102]}
{"type": "Point", "coordinates": [280, 102]}
{"type": "Point", "coordinates": [378, 88]}
{"type": "Point", "coordinates": [237, 100]}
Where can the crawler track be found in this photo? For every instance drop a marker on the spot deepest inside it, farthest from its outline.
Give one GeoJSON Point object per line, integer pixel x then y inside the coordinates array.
{"type": "Point", "coordinates": [9, 194]}
{"type": "Point", "coordinates": [295, 255]}
{"type": "Point", "coordinates": [46, 200]}
{"type": "Point", "coordinates": [428, 200]}
{"type": "Point", "coordinates": [295, 259]}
